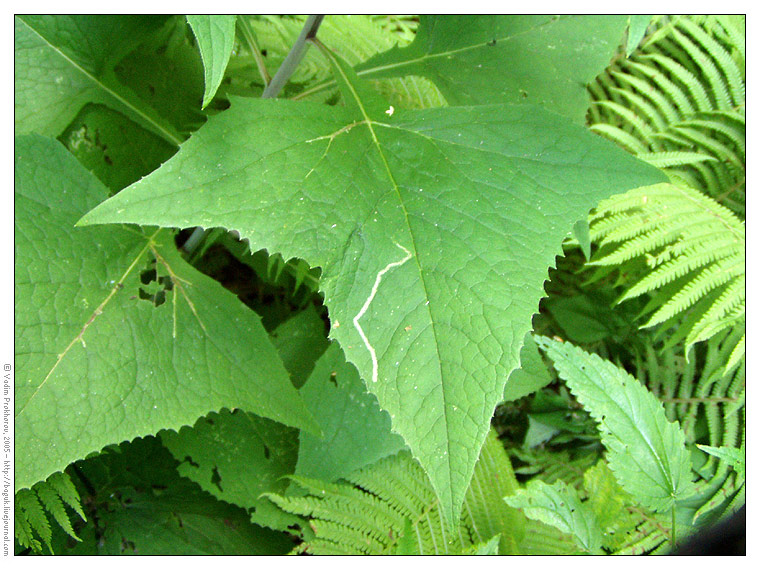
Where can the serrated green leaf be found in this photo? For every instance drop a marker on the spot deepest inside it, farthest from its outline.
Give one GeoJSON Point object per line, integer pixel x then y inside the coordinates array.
{"type": "Point", "coordinates": [236, 457]}
{"type": "Point", "coordinates": [645, 451]}
{"type": "Point", "coordinates": [356, 431]}
{"type": "Point", "coordinates": [418, 220]}
{"type": "Point", "coordinates": [64, 62]}
{"type": "Point", "coordinates": [216, 37]}
{"type": "Point", "coordinates": [110, 346]}
{"type": "Point", "coordinates": [560, 506]}
{"type": "Point", "coordinates": [475, 60]}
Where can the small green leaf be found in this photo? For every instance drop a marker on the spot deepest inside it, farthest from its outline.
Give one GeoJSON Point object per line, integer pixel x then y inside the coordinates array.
{"type": "Point", "coordinates": [116, 336]}
{"type": "Point", "coordinates": [407, 544]}
{"type": "Point", "coordinates": [216, 37]}
{"type": "Point", "coordinates": [559, 506]}
{"type": "Point", "coordinates": [587, 318]}
{"type": "Point", "coordinates": [300, 341]}
{"type": "Point", "coordinates": [645, 451]}
{"type": "Point", "coordinates": [490, 548]}
{"type": "Point", "coordinates": [532, 374]}
{"type": "Point", "coordinates": [637, 29]}
{"type": "Point", "coordinates": [356, 432]}
{"type": "Point", "coordinates": [735, 457]}
{"type": "Point", "coordinates": [608, 501]}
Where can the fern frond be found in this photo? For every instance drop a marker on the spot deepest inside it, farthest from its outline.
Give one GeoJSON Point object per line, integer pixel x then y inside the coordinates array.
{"type": "Point", "coordinates": [373, 508]}
{"type": "Point", "coordinates": [29, 509]}
{"type": "Point", "coordinates": [621, 137]}
{"type": "Point", "coordinates": [726, 271]}
{"type": "Point", "coordinates": [51, 500]}
{"type": "Point", "coordinates": [638, 125]}
{"type": "Point", "coordinates": [694, 246]}
{"type": "Point", "coordinates": [31, 519]}
{"type": "Point", "coordinates": [684, 90]}
{"type": "Point", "coordinates": [670, 158]}
{"type": "Point", "coordinates": [61, 483]}
{"type": "Point", "coordinates": [708, 68]}
{"type": "Point", "coordinates": [728, 67]}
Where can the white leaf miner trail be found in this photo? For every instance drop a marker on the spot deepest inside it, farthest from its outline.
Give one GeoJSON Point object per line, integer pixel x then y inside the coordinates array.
{"type": "Point", "coordinates": [366, 305]}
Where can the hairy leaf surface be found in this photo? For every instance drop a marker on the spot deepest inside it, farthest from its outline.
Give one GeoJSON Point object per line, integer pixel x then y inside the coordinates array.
{"type": "Point", "coordinates": [434, 230]}
{"type": "Point", "coordinates": [645, 451]}
{"type": "Point", "coordinates": [111, 345]}
{"type": "Point", "coordinates": [540, 59]}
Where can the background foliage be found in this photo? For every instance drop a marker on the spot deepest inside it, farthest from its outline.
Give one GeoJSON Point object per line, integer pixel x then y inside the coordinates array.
{"type": "Point", "coordinates": [251, 398]}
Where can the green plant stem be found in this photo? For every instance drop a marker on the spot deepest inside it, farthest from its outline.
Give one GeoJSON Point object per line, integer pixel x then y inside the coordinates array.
{"type": "Point", "coordinates": [293, 58]}
{"type": "Point", "coordinates": [673, 528]}
{"type": "Point", "coordinates": [271, 91]}
{"type": "Point", "coordinates": [250, 38]}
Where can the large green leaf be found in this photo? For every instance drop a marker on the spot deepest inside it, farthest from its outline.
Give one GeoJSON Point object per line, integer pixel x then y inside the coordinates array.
{"type": "Point", "coordinates": [111, 345]}
{"type": "Point", "coordinates": [64, 62]}
{"type": "Point", "coordinates": [645, 451]}
{"type": "Point", "coordinates": [216, 36]}
{"type": "Point", "coordinates": [434, 230]}
{"type": "Point", "coordinates": [540, 59]}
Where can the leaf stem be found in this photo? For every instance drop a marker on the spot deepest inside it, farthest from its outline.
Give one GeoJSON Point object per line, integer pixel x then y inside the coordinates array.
{"type": "Point", "coordinates": [673, 528]}
{"type": "Point", "coordinates": [250, 38]}
{"type": "Point", "coordinates": [293, 58]}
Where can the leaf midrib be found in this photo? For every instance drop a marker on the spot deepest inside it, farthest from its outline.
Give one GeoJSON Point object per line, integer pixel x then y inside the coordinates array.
{"type": "Point", "coordinates": [415, 255]}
